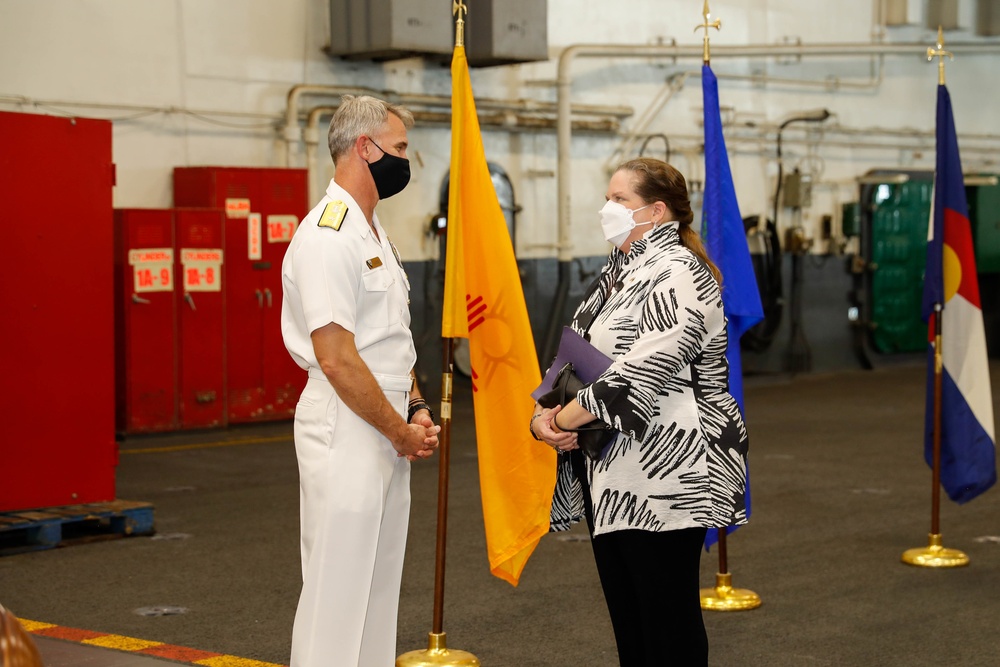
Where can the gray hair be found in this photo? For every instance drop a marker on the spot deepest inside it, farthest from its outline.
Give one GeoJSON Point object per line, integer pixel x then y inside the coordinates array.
{"type": "Point", "coordinates": [361, 115]}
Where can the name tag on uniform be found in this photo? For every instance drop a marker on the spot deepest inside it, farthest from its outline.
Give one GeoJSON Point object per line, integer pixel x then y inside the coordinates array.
{"type": "Point", "coordinates": [333, 215]}
{"type": "Point", "coordinates": [374, 262]}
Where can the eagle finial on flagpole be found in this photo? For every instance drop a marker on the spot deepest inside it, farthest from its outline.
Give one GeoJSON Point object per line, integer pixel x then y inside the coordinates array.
{"type": "Point", "coordinates": [457, 9]}
{"type": "Point", "coordinates": [939, 53]}
{"type": "Point", "coordinates": [705, 26]}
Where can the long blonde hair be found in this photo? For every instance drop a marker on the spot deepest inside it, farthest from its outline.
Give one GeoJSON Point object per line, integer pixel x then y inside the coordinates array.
{"type": "Point", "coordinates": [655, 180]}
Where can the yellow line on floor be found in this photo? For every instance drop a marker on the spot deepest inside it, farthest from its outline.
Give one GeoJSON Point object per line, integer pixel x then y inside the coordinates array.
{"type": "Point", "coordinates": [120, 643]}
{"type": "Point", "coordinates": [233, 661]}
{"type": "Point", "coordinates": [206, 445]}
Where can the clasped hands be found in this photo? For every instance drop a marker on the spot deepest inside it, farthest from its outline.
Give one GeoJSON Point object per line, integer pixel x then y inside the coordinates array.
{"type": "Point", "coordinates": [419, 439]}
{"type": "Point", "coordinates": [549, 432]}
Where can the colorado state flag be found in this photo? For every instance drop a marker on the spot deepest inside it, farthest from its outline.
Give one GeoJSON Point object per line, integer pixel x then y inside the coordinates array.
{"type": "Point", "coordinates": [968, 452]}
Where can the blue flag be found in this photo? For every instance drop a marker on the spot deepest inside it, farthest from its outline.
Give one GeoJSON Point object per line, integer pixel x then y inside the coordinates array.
{"type": "Point", "coordinates": [726, 242]}
{"type": "Point", "coordinates": [968, 452]}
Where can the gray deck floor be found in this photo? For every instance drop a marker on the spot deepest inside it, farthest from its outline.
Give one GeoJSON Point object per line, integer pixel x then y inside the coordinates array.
{"type": "Point", "coordinates": [840, 490]}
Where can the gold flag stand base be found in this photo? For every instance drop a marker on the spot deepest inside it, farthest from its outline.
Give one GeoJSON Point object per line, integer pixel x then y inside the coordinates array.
{"type": "Point", "coordinates": [935, 555]}
{"type": "Point", "coordinates": [437, 655]}
{"type": "Point", "coordinates": [726, 598]}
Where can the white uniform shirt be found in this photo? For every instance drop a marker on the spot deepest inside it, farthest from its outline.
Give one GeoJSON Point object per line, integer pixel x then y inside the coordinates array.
{"type": "Point", "coordinates": [350, 277]}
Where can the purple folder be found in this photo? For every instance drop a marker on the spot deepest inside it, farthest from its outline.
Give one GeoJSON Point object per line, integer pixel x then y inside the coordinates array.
{"type": "Point", "coordinates": [588, 362]}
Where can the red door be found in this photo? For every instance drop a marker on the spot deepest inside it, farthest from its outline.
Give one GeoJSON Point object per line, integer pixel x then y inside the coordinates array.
{"type": "Point", "coordinates": [57, 417]}
{"type": "Point", "coordinates": [201, 269]}
{"type": "Point", "coordinates": [245, 304]}
{"type": "Point", "coordinates": [146, 354]}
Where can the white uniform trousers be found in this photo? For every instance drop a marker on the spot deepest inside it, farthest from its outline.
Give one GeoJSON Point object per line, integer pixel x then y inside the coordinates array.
{"type": "Point", "coordinates": [355, 506]}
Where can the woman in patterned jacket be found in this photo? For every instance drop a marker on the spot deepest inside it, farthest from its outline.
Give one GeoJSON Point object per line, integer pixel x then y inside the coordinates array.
{"type": "Point", "coordinates": [679, 465]}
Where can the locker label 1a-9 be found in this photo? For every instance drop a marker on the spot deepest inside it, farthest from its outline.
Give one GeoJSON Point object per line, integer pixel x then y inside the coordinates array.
{"type": "Point", "coordinates": [280, 228]}
{"type": "Point", "coordinates": [254, 242]}
{"type": "Point", "coordinates": [201, 269]}
{"type": "Point", "coordinates": [152, 269]}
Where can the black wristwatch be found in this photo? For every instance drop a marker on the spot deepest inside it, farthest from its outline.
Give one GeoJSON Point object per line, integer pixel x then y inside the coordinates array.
{"type": "Point", "coordinates": [416, 406]}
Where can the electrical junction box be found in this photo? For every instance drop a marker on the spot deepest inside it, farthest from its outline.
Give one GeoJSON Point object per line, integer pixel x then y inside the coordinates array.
{"type": "Point", "coordinates": [390, 29]}
{"type": "Point", "coordinates": [797, 190]}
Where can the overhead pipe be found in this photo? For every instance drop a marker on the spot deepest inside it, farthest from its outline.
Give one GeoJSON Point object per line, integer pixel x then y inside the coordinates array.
{"type": "Point", "coordinates": [502, 120]}
{"type": "Point", "coordinates": [564, 82]}
{"type": "Point", "coordinates": [677, 81]}
{"type": "Point", "coordinates": [293, 134]}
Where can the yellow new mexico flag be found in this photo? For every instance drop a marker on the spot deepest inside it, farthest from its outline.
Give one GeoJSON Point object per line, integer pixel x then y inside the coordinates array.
{"type": "Point", "coordinates": [484, 302]}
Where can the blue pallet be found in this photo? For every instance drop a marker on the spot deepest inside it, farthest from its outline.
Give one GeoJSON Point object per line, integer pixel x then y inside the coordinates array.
{"type": "Point", "coordinates": [49, 527]}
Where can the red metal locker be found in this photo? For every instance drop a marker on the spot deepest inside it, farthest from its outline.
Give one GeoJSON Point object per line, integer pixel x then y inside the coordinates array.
{"type": "Point", "coordinates": [200, 307]}
{"type": "Point", "coordinates": [285, 204]}
{"type": "Point", "coordinates": [57, 416]}
{"type": "Point", "coordinates": [261, 205]}
{"type": "Point", "coordinates": [146, 321]}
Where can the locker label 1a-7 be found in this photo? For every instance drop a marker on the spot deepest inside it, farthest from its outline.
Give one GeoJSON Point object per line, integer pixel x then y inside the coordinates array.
{"type": "Point", "coordinates": [280, 228]}
{"type": "Point", "coordinates": [201, 269]}
{"type": "Point", "coordinates": [152, 269]}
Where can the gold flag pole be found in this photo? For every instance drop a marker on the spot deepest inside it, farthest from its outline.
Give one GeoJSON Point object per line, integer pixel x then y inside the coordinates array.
{"type": "Point", "coordinates": [723, 597]}
{"type": "Point", "coordinates": [934, 554]}
{"type": "Point", "coordinates": [939, 53]}
{"type": "Point", "coordinates": [717, 24]}
{"type": "Point", "coordinates": [437, 653]}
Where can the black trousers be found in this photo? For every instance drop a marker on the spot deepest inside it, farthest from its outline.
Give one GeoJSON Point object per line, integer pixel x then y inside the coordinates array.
{"type": "Point", "coordinates": [651, 587]}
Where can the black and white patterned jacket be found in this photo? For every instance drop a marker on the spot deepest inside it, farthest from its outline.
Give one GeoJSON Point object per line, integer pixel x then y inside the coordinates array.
{"type": "Point", "coordinates": [680, 461]}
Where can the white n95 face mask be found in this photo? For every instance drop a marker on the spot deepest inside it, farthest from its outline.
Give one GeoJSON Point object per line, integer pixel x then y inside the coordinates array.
{"type": "Point", "coordinates": [617, 222]}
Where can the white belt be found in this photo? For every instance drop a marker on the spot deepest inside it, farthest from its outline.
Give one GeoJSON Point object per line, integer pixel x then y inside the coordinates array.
{"type": "Point", "coordinates": [387, 382]}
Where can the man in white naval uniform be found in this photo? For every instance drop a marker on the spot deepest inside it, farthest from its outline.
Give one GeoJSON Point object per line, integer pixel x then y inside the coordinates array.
{"type": "Point", "coordinates": [360, 420]}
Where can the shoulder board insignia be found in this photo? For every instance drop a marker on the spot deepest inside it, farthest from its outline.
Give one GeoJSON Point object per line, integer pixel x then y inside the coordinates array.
{"type": "Point", "coordinates": [333, 215]}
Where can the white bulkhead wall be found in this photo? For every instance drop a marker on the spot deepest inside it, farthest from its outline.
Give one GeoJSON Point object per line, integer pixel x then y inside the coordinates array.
{"type": "Point", "coordinates": [197, 83]}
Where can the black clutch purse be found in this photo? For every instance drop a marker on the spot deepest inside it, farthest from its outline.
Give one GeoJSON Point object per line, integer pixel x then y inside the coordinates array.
{"type": "Point", "coordinates": [593, 436]}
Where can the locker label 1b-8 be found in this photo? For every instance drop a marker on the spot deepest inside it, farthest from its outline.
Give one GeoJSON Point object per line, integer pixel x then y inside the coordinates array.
{"type": "Point", "coordinates": [201, 269]}
{"type": "Point", "coordinates": [152, 269]}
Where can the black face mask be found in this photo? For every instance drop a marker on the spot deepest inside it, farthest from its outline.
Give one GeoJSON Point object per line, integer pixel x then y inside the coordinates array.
{"type": "Point", "coordinates": [391, 173]}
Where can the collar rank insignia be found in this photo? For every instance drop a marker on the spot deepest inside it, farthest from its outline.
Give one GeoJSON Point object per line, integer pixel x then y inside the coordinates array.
{"type": "Point", "coordinates": [333, 215]}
